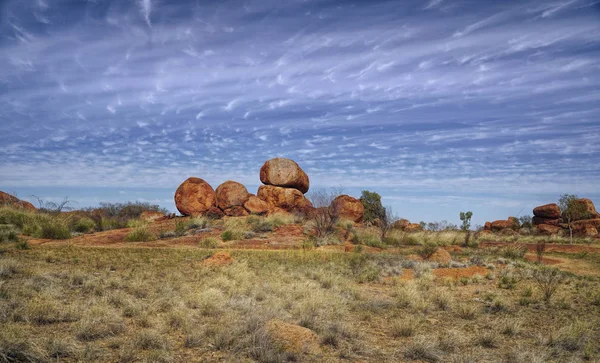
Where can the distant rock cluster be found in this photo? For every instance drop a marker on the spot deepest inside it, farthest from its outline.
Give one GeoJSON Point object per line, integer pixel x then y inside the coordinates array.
{"type": "Point", "coordinates": [283, 191]}
{"type": "Point", "coordinates": [549, 220]}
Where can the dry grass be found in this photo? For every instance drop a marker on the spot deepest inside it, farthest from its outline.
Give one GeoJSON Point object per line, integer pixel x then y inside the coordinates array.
{"type": "Point", "coordinates": [150, 304]}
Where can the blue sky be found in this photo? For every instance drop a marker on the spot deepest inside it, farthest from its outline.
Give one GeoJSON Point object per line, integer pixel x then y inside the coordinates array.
{"type": "Point", "coordinates": [440, 106]}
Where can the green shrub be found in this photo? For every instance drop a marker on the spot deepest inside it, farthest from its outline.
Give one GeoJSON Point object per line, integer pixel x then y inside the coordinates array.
{"type": "Point", "coordinates": [373, 208]}
{"type": "Point", "coordinates": [227, 236]}
{"type": "Point", "coordinates": [516, 251]}
{"type": "Point", "coordinates": [8, 233]}
{"type": "Point", "coordinates": [140, 234]}
{"type": "Point", "coordinates": [84, 225]}
{"type": "Point", "coordinates": [22, 245]}
{"type": "Point", "coordinates": [53, 229]}
{"type": "Point", "coordinates": [260, 224]}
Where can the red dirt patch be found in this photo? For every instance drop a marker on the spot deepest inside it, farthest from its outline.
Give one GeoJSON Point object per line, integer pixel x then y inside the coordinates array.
{"type": "Point", "coordinates": [545, 260]}
{"type": "Point", "coordinates": [218, 259]}
{"type": "Point", "coordinates": [458, 273]}
{"type": "Point", "coordinates": [289, 230]}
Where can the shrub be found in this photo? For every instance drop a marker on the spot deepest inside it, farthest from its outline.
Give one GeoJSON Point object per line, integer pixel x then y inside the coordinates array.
{"type": "Point", "coordinates": [373, 208]}
{"type": "Point", "coordinates": [515, 251]}
{"type": "Point", "coordinates": [261, 224]}
{"type": "Point", "coordinates": [423, 349]}
{"type": "Point", "coordinates": [53, 229]}
{"type": "Point", "coordinates": [547, 280]}
{"type": "Point", "coordinates": [404, 328]}
{"type": "Point", "coordinates": [140, 234]}
{"type": "Point", "coordinates": [8, 233]}
{"type": "Point", "coordinates": [227, 236]}
{"type": "Point", "coordinates": [22, 245]}
{"type": "Point", "coordinates": [84, 225]}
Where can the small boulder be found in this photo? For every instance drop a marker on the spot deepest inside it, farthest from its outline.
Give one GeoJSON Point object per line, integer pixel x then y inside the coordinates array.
{"type": "Point", "coordinates": [283, 172]}
{"type": "Point", "coordinates": [413, 227]}
{"type": "Point", "coordinates": [292, 338]}
{"type": "Point", "coordinates": [231, 194]}
{"type": "Point", "coordinates": [150, 215]}
{"type": "Point", "coordinates": [487, 226]}
{"type": "Point", "coordinates": [499, 225]}
{"type": "Point", "coordinates": [236, 211]}
{"type": "Point", "coordinates": [548, 211]}
{"type": "Point", "coordinates": [255, 205]}
{"type": "Point", "coordinates": [348, 207]}
{"type": "Point", "coordinates": [440, 256]}
{"type": "Point", "coordinates": [400, 224]}
{"type": "Point", "coordinates": [194, 197]}
{"type": "Point", "coordinates": [288, 199]}
{"type": "Point", "coordinates": [548, 229]}
{"type": "Point", "coordinates": [13, 201]}
{"type": "Point", "coordinates": [214, 213]}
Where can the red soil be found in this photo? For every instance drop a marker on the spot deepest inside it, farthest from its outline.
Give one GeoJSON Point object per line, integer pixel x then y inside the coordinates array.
{"type": "Point", "coordinates": [550, 247]}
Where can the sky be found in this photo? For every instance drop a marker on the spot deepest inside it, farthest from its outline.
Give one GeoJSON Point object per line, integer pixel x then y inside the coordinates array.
{"type": "Point", "coordinates": [440, 106]}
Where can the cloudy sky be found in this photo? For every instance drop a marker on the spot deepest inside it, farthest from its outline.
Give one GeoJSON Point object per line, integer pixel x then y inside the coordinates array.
{"type": "Point", "coordinates": [440, 106]}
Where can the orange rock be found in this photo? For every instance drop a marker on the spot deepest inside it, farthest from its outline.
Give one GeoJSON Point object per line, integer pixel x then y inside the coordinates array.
{"type": "Point", "coordinates": [13, 201]}
{"type": "Point", "coordinates": [540, 220]}
{"type": "Point", "coordinates": [548, 229]}
{"type": "Point", "coordinates": [548, 211]}
{"type": "Point", "coordinates": [588, 209]}
{"type": "Point", "coordinates": [214, 213]}
{"type": "Point", "coordinates": [412, 227]}
{"type": "Point", "coordinates": [231, 194]}
{"type": "Point", "coordinates": [218, 259]}
{"type": "Point", "coordinates": [288, 199]}
{"type": "Point", "coordinates": [194, 197]}
{"type": "Point", "coordinates": [293, 338]}
{"type": "Point", "coordinates": [150, 215]}
{"type": "Point", "coordinates": [283, 172]}
{"type": "Point", "coordinates": [440, 256]}
{"type": "Point", "coordinates": [255, 205]}
{"type": "Point", "coordinates": [502, 224]}
{"type": "Point", "coordinates": [592, 222]}
{"type": "Point", "coordinates": [348, 207]}
{"type": "Point", "coordinates": [401, 224]}
{"type": "Point", "coordinates": [236, 211]}
{"type": "Point", "coordinates": [487, 226]}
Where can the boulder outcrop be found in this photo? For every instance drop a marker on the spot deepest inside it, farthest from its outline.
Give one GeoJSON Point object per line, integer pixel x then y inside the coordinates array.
{"type": "Point", "coordinates": [286, 173]}
{"type": "Point", "coordinates": [231, 194]}
{"type": "Point", "coordinates": [13, 201]}
{"type": "Point", "coordinates": [194, 197]}
{"type": "Point", "coordinates": [255, 205]}
{"type": "Point", "coordinates": [348, 207]}
{"type": "Point", "coordinates": [289, 199]}
{"type": "Point", "coordinates": [547, 211]}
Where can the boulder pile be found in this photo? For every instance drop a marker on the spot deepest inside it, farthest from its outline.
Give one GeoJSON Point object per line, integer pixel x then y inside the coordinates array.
{"type": "Point", "coordinates": [512, 223]}
{"type": "Point", "coordinates": [285, 184]}
{"type": "Point", "coordinates": [7, 199]}
{"type": "Point", "coordinates": [549, 220]}
{"type": "Point", "coordinates": [406, 226]}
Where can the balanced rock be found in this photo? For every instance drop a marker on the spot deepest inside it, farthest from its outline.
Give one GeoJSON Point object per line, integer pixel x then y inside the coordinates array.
{"type": "Point", "coordinates": [548, 211]}
{"type": "Point", "coordinates": [255, 205]}
{"type": "Point", "coordinates": [348, 207]}
{"type": "Point", "coordinates": [288, 199]}
{"type": "Point", "coordinates": [194, 197]}
{"type": "Point", "coordinates": [13, 201]}
{"type": "Point", "coordinates": [231, 194]}
{"type": "Point", "coordinates": [281, 172]}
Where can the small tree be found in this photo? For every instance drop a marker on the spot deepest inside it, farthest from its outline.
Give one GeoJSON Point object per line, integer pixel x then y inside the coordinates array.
{"type": "Point", "coordinates": [373, 207]}
{"type": "Point", "coordinates": [525, 221]}
{"type": "Point", "coordinates": [465, 217]}
{"type": "Point", "coordinates": [548, 279]}
{"type": "Point", "coordinates": [570, 211]}
{"type": "Point", "coordinates": [387, 221]}
{"type": "Point", "coordinates": [325, 215]}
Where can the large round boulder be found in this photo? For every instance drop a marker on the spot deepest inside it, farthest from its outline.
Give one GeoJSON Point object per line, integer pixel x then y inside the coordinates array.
{"type": "Point", "coordinates": [281, 172]}
{"type": "Point", "coordinates": [585, 209]}
{"type": "Point", "coordinates": [288, 199]}
{"type": "Point", "coordinates": [194, 197]}
{"type": "Point", "coordinates": [255, 205]}
{"type": "Point", "coordinates": [231, 194]}
{"type": "Point", "coordinates": [7, 199]}
{"type": "Point", "coordinates": [348, 207]}
{"type": "Point", "coordinates": [549, 211]}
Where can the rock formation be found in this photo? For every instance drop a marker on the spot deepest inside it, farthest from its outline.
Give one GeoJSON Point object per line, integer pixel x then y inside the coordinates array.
{"type": "Point", "coordinates": [13, 201]}
{"type": "Point", "coordinates": [286, 173]}
{"type": "Point", "coordinates": [288, 199]}
{"type": "Point", "coordinates": [349, 208]}
{"type": "Point", "coordinates": [194, 197]}
{"type": "Point", "coordinates": [231, 194]}
{"type": "Point", "coordinates": [255, 205]}
{"type": "Point", "coordinates": [548, 219]}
